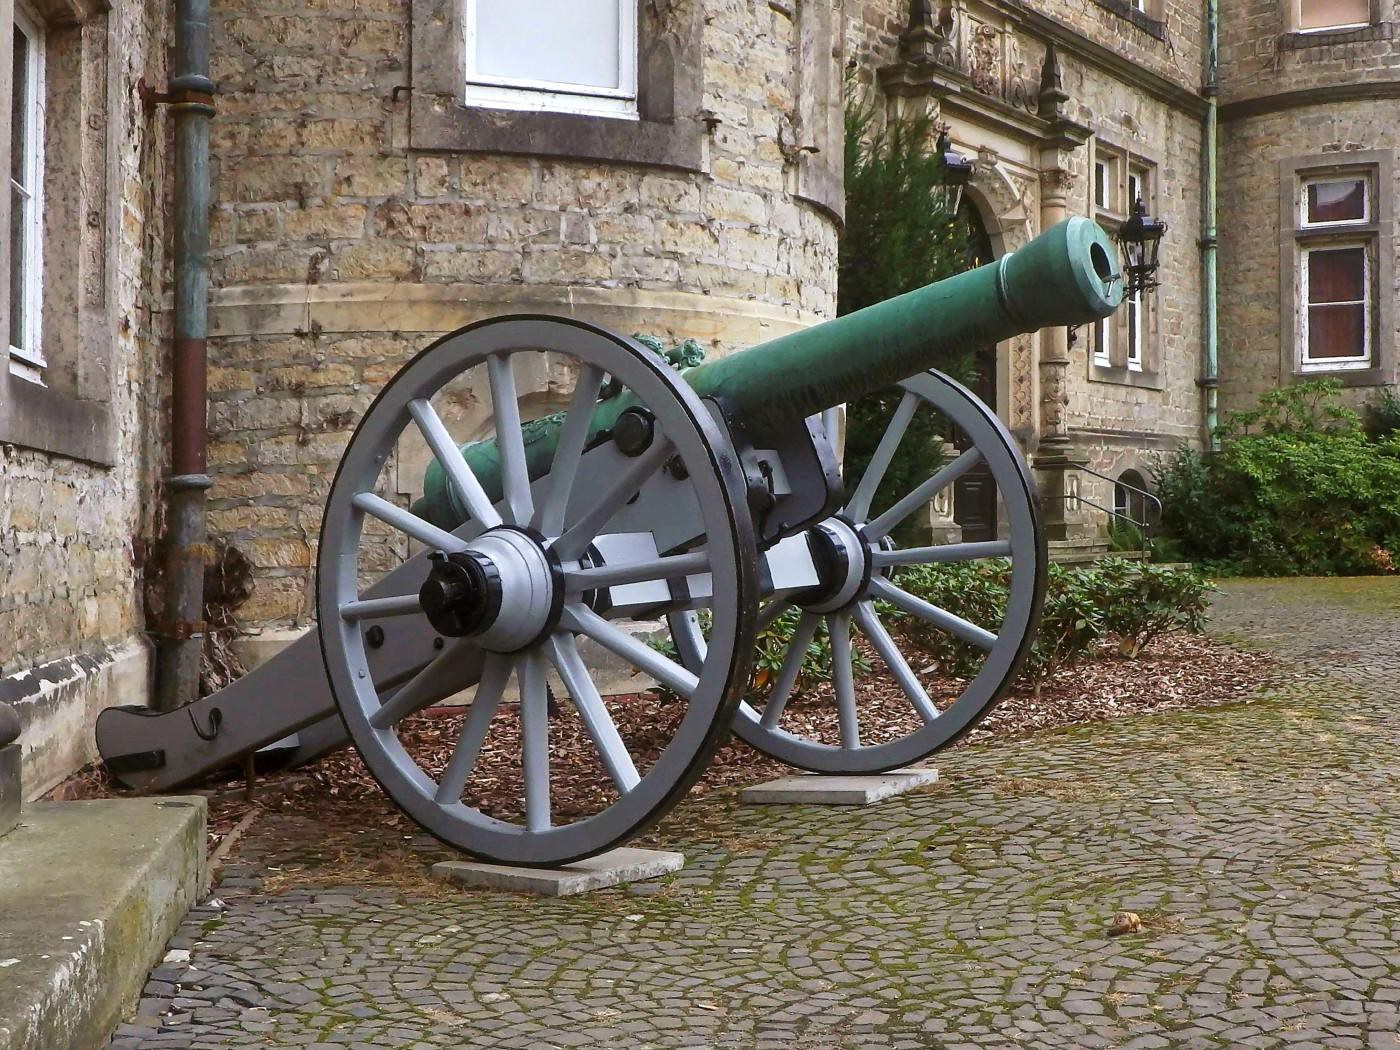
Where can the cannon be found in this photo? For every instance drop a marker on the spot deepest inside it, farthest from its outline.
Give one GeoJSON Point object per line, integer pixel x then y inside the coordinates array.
{"type": "Point", "coordinates": [658, 523]}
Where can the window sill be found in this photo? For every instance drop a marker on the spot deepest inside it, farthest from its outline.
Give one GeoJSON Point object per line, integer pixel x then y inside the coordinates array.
{"type": "Point", "coordinates": [440, 123]}
{"type": "Point", "coordinates": [1121, 375]}
{"type": "Point", "coordinates": [1303, 39]}
{"type": "Point", "coordinates": [37, 417]}
{"type": "Point", "coordinates": [1373, 376]}
{"type": "Point", "coordinates": [1153, 27]}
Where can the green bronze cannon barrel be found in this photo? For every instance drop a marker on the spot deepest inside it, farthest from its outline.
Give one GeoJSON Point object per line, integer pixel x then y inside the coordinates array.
{"type": "Point", "coordinates": [1067, 276]}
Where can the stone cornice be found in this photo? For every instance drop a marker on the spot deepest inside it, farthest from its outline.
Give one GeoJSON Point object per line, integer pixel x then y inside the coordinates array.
{"type": "Point", "coordinates": [1072, 41]}
{"type": "Point", "coordinates": [1279, 102]}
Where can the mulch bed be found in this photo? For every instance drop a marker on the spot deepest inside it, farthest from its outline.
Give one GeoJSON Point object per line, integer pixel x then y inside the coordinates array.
{"type": "Point", "coordinates": [1176, 672]}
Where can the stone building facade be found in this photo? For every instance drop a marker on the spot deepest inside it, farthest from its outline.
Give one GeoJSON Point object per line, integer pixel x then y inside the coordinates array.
{"type": "Point", "coordinates": [377, 183]}
{"type": "Point", "coordinates": [1311, 121]}
{"type": "Point", "coordinates": [80, 439]}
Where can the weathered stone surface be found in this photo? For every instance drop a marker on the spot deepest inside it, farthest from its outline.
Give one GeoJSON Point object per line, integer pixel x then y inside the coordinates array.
{"type": "Point", "coordinates": [808, 789]}
{"type": "Point", "coordinates": [613, 868]}
{"type": "Point", "coordinates": [89, 892]}
{"type": "Point", "coordinates": [11, 793]}
{"type": "Point", "coordinates": [972, 914]}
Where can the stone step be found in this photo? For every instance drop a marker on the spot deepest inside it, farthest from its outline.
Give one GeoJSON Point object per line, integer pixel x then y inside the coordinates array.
{"type": "Point", "coordinates": [89, 894]}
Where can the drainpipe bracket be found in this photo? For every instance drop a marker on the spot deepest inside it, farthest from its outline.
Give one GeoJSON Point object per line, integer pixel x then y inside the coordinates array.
{"type": "Point", "coordinates": [188, 482]}
{"type": "Point", "coordinates": [1208, 382]}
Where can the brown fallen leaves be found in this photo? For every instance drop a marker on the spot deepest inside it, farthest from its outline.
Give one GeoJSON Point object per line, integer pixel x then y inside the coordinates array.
{"type": "Point", "coordinates": [338, 792]}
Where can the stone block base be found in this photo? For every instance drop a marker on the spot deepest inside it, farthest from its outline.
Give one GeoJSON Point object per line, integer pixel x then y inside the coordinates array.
{"type": "Point", "coordinates": [10, 792]}
{"type": "Point", "coordinates": [809, 789]}
{"type": "Point", "coordinates": [607, 869]}
{"type": "Point", "coordinates": [89, 894]}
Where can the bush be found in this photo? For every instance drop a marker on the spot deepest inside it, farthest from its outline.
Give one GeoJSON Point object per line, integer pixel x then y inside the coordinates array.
{"type": "Point", "coordinates": [1382, 418]}
{"type": "Point", "coordinates": [898, 236]}
{"type": "Point", "coordinates": [1127, 600]}
{"type": "Point", "coordinates": [1297, 488]}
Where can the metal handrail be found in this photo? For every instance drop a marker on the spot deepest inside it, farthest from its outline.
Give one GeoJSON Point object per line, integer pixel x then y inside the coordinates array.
{"type": "Point", "coordinates": [1131, 488]}
{"type": "Point", "coordinates": [1144, 528]}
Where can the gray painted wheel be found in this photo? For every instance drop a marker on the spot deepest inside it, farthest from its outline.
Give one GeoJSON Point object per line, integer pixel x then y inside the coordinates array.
{"type": "Point", "coordinates": [532, 554]}
{"type": "Point", "coordinates": [863, 536]}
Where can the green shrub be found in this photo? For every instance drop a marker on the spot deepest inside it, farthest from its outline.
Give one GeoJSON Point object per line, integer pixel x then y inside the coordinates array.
{"type": "Point", "coordinates": [1126, 600]}
{"type": "Point", "coordinates": [1141, 601]}
{"type": "Point", "coordinates": [1297, 488]}
{"type": "Point", "coordinates": [1382, 417]}
{"type": "Point", "coordinates": [898, 236]}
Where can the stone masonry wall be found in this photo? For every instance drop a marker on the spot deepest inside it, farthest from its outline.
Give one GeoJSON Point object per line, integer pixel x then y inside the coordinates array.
{"type": "Point", "coordinates": [1115, 426]}
{"type": "Point", "coordinates": [1280, 103]}
{"type": "Point", "coordinates": [339, 252]}
{"type": "Point", "coordinates": [72, 533]}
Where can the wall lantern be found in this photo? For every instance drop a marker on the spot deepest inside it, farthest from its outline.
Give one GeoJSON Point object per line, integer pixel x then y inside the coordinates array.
{"type": "Point", "coordinates": [957, 173]}
{"type": "Point", "coordinates": [1141, 241]}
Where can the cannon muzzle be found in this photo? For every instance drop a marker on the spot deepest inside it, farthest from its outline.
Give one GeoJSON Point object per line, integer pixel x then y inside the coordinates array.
{"type": "Point", "coordinates": [1069, 275]}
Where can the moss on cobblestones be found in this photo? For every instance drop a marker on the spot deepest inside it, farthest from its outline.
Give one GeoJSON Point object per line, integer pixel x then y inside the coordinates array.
{"type": "Point", "coordinates": [1256, 843]}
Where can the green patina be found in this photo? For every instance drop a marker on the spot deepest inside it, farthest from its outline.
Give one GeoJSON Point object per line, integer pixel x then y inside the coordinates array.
{"type": "Point", "coordinates": [1066, 276]}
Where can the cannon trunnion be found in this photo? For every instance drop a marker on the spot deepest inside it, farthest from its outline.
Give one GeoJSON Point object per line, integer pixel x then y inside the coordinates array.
{"type": "Point", "coordinates": [656, 525]}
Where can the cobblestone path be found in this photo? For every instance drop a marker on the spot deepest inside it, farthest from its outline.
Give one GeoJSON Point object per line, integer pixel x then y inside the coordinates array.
{"type": "Point", "coordinates": [1260, 843]}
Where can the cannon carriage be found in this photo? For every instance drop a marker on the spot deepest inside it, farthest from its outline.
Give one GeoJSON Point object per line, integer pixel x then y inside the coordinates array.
{"type": "Point", "coordinates": [659, 522]}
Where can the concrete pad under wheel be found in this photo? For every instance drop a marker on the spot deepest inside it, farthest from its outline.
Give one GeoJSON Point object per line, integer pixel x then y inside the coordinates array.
{"type": "Point", "coordinates": [812, 789]}
{"type": "Point", "coordinates": [607, 869]}
{"type": "Point", "coordinates": [89, 894]}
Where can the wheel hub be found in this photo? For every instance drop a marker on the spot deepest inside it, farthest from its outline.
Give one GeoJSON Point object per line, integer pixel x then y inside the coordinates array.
{"type": "Point", "coordinates": [502, 590]}
{"type": "Point", "coordinates": [843, 559]}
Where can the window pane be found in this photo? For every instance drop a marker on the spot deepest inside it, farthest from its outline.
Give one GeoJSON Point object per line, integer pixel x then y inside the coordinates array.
{"type": "Point", "coordinates": [560, 41]}
{"type": "Point", "coordinates": [1322, 14]}
{"type": "Point", "coordinates": [1101, 184]}
{"type": "Point", "coordinates": [1336, 331]}
{"type": "Point", "coordinates": [19, 106]}
{"type": "Point", "coordinates": [1341, 201]}
{"type": "Point", "coordinates": [1337, 275]}
{"type": "Point", "coordinates": [18, 273]}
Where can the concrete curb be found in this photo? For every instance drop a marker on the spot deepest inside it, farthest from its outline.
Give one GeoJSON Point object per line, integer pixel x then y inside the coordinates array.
{"type": "Point", "coordinates": [89, 893]}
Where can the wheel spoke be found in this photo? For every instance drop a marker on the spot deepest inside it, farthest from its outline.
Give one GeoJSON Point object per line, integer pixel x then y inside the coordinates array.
{"type": "Point", "coordinates": [463, 481]}
{"type": "Point", "coordinates": [446, 675]}
{"type": "Point", "coordinates": [859, 506]}
{"type": "Point", "coordinates": [534, 740]}
{"type": "Point", "coordinates": [379, 608]}
{"type": "Point", "coordinates": [942, 618]}
{"type": "Point", "coordinates": [882, 525]}
{"type": "Point", "coordinates": [495, 673]}
{"type": "Point", "coordinates": [772, 611]}
{"type": "Point", "coordinates": [689, 639]}
{"type": "Point", "coordinates": [565, 656]}
{"type": "Point", "coordinates": [580, 534]}
{"type": "Point", "coordinates": [510, 439]}
{"type": "Point", "coordinates": [578, 580]}
{"type": "Point", "coordinates": [424, 532]}
{"type": "Point", "coordinates": [873, 629]}
{"type": "Point", "coordinates": [584, 620]}
{"type": "Point", "coordinates": [791, 668]}
{"type": "Point", "coordinates": [573, 435]}
{"type": "Point", "coordinates": [843, 675]}
{"type": "Point", "coordinates": [948, 552]}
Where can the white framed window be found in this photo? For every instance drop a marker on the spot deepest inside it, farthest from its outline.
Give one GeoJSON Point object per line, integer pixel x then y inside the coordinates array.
{"type": "Point", "coordinates": [26, 196]}
{"type": "Point", "coordinates": [1335, 290]}
{"type": "Point", "coordinates": [570, 56]}
{"type": "Point", "coordinates": [1334, 200]}
{"type": "Point", "coordinates": [1137, 190]}
{"type": "Point", "coordinates": [1319, 16]}
{"type": "Point", "coordinates": [1103, 342]}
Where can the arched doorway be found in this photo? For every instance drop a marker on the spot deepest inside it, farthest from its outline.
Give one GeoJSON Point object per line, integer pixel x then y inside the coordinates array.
{"type": "Point", "coordinates": [975, 495]}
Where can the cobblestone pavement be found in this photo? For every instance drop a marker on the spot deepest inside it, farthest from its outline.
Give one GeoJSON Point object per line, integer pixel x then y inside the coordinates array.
{"type": "Point", "coordinates": [1260, 844]}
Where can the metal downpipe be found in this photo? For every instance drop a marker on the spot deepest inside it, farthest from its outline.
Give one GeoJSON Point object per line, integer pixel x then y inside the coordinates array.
{"type": "Point", "coordinates": [1210, 239]}
{"type": "Point", "coordinates": [181, 634]}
